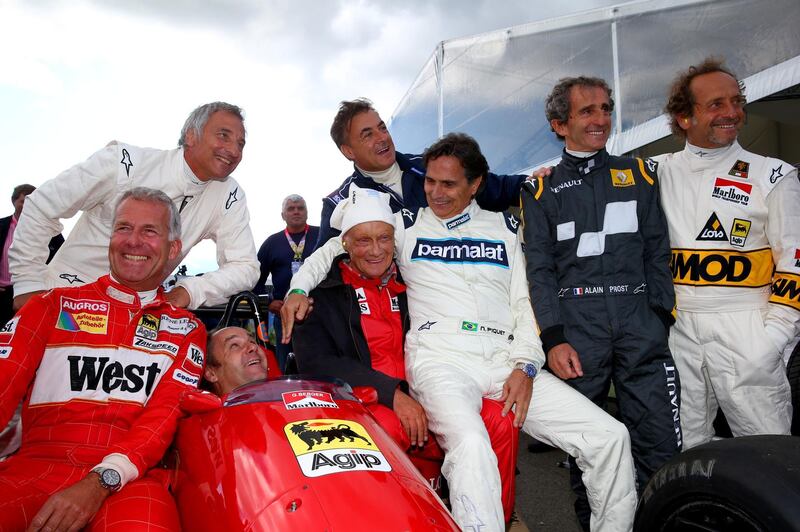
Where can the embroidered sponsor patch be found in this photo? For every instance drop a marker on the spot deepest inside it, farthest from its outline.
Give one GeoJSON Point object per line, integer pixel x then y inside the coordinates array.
{"type": "Point", "coordinates": [328, 446]}
{"type": "Point", "coordinates": [776, 174]}
{"type": "Point", "coordinates": [455, 222]}
{"type": "Point", "coordinates": [713, 230]}
{"type": "Point", "coordinates": [461, 251]}
{"type": "Point", "coordinates": [622, 178]}
{"type": "Point", "coordinates": [83, 315]}
{"type": "Point", "coordinates": [566, 184]}
{"type": "Point", "coordinates": [97, 374]}
{"type": "Point", "coordinates": [308, 399]}
{"type": "Point", "coordinates": [185, 378]}
{"type": "Point", "coordinates": [147, 327]}
{"type": "Point", "coordinates": [786, 290]}
{"type": "Point", "coordinates": [195, 355]}
{"type": "Point", "coordinates": [722, 268]}
{"type": "Point", "coordinates": [5, 351]}
{"type": "Point", "coordinates": [9, 328]}
{"type": "Point", "coordinates": [732, 191]}
{"type": "Point", "coordinates": [739, 231]}
{"type": "Point", "coordinates": [395, 304]}
{"type": "Point", "coordinates": [176, 325]}
{"type": "Point", "coordinates": [740, 169]}
{"type": "Point", "coordinates": [150, 345]}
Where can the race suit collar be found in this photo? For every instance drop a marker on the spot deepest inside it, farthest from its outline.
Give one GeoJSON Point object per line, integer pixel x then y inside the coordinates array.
{"type": "Point", "coordinates": [192, 182]}
{"type": "Point", "coordinates": [127, 296]}
{"type": "Point", "coordinates": [703, 158]}
{"type": "Point", "coordinates": [583, 166]}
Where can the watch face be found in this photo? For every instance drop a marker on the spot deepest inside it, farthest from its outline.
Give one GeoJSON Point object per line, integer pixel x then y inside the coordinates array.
{"type": "Point", "coordinates": [110, 478]}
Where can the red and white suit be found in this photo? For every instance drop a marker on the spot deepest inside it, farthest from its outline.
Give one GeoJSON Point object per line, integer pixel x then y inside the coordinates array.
{"type": "Point", "coordinates": [101, 377]}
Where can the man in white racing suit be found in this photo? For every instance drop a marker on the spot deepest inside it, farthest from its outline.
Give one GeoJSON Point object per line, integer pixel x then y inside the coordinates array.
{"type": "Point", "coordinates": [734, 225]}
{"type": "Point", "coordinates": [195, 176]}
{"type": "Point", "coordinates": [473, 335]}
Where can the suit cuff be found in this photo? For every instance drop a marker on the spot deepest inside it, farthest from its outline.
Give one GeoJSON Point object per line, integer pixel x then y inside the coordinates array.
{"type": "Point", "coordinates": [552, 336]}
{"type": "Point", "coordinates": [665, 316]}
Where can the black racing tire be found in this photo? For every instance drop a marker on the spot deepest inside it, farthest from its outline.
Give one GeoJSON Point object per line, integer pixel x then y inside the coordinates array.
{"type": "Point", "coordinates": [745, 484]}
{"type": "Point", "coordinates": [793, 373]}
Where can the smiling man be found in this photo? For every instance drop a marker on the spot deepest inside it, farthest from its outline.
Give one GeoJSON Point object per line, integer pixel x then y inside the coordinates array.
{"type": "Point", "coordinates": [195, 176]}
{"type": "Point", "coordinates": [234, 359]}
{"type": "Point", "coordinates": [101, 369]}
{"type": "Point", "coordinates": [362, 137]}
{"type": "Point", "coordinates": [734, 226]}
{"type": "Point", "coordinates": [597, 255]}
{"type": "Point", "coordinates": [473, 336]}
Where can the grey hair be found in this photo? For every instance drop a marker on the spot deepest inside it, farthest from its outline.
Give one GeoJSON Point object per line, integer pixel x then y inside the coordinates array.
{"type": "Point", "coordinates": [292, 197]}
{"type": "Point", "coordinates": [153, 196]}
{"type": "Point", "coordinates": [556, 106]}
{"type": "Point", "coordinates": [198, 118]}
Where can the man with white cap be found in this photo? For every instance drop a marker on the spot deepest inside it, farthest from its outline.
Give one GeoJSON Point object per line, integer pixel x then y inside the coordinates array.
{"type": "Point", "coordinates": [473, 335]}
{"type": "Point", "coordinates": [357, 333]}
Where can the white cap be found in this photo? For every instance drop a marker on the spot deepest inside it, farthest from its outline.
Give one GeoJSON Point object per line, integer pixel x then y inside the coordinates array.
{"type": "Point", "coordinates": [363, 205]}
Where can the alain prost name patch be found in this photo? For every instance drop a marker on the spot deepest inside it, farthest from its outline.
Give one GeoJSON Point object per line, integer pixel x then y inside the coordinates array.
{"type": "Point", "coordinates": [83, 315]}
{"type": "Point", "coordinates": [327, 446]}
{"type": "Point", "coordinates": [461, 251]}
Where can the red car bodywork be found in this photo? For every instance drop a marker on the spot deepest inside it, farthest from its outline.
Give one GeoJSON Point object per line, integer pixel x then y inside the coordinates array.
{"type": "Point", "coordinates": [297, 454]}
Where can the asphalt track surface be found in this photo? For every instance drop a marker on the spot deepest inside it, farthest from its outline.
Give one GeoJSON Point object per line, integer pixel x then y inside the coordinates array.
{"type": "Point", "coordinates": [544, 499]}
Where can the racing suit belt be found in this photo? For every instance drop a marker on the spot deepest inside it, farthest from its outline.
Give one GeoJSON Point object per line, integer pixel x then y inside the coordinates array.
{"type": "Point", "coordinates": [608, 289]}
{"type": "Point", "coordinates": [465, 326]}
{"type": "Point", "coordinates": [708, 280]}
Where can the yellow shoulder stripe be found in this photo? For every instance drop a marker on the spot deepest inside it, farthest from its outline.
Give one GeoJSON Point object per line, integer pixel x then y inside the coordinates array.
{"type": "Point", "coordinates": [644, 172]}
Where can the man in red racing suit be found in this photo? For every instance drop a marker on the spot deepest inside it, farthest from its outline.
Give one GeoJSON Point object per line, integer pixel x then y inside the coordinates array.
{"type": "Point", "coordinates": [101, 369]}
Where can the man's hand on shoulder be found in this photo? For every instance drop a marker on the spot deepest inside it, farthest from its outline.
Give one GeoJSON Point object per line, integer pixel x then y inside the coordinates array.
{"type": "Point", "coordinates": [564, 361]}
{"type": "Point", "coordinates": [543, 171]}
{"type": "Point", "coordinates": [21, 299]}
{"type": "Point", "coordinates": [296, 306]}
{"type": "Point", "coordinates": [71, 508]}
{"type": "Point", "coordinates": [178, 296]}
{"type": "Point", "coordinates": [412, 417]}
{"type": "Point", "coordinates": [517, 390]}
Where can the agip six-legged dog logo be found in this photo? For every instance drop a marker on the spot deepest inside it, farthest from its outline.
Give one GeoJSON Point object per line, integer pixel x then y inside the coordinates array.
{"type": "Point", "coordinates": [326, 446]}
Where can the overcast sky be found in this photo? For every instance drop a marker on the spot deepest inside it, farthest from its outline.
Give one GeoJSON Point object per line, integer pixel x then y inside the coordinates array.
{"type": "Point", "coordinates": [76, 74]}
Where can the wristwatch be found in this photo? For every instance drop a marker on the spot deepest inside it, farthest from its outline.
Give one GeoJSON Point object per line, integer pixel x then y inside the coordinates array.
{"type": "Point", "coordinates": [109, 478]}
{"type": "Point", "coordinates": [527, 368]}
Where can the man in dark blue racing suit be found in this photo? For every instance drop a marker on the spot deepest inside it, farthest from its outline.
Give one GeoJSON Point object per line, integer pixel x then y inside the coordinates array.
{"type": "Point", "coordinates": [597, 253]}
{"type": "Point", "coordinates": [363, 138]}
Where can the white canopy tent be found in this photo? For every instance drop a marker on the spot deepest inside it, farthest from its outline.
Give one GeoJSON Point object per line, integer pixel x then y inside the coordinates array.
{"type": "Point", "coordinates": [493, 85]}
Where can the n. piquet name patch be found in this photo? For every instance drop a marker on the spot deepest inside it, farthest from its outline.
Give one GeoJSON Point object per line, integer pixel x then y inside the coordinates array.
{"type": "Point", "coordinates": [467, 250]}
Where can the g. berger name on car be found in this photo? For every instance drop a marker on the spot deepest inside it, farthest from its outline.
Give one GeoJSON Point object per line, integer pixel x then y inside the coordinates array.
{"type": "Point", "coordinates": [722, 268]}
{"type": "Point", "coordinates": [455, 250]}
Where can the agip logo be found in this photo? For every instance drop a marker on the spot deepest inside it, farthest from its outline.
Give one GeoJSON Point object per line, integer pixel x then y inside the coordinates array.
{"type": "Point", "coordinates": [147, 327]}
{"type": "Point", "coordinates": [328, 446]}
{"type": "Point", "coordinates": [83, 315]}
